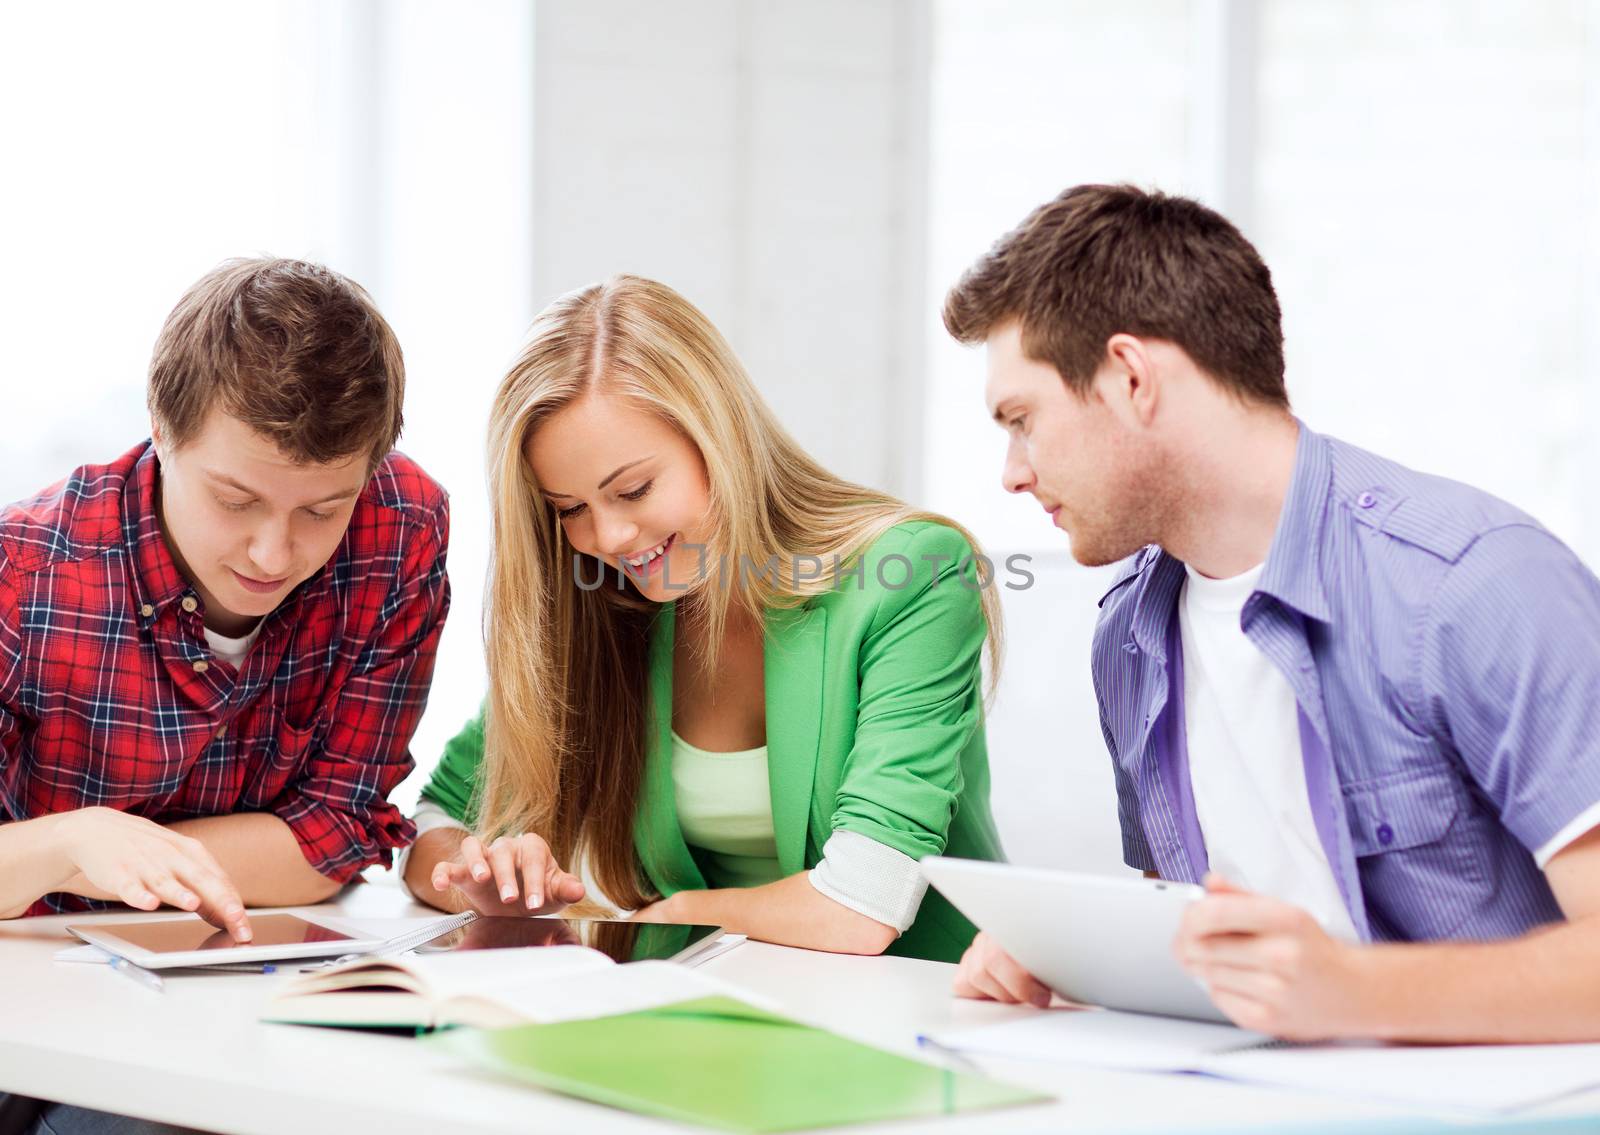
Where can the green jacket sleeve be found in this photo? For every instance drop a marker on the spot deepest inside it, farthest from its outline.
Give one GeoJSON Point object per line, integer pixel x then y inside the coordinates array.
{"type": "Point", "coordinates": [454, 783]}
{"type": "Point", "coordinates": [921, 701]}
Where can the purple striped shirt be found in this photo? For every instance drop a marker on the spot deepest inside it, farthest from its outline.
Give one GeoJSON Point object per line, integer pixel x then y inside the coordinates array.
{"type": "Point", "coordinates": [1444, 651]}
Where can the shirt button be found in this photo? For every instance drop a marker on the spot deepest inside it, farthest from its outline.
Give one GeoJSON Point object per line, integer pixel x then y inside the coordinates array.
{"type": "Point", "coordinates": [189, 603]}
{"type": "Point", "coordinates": [147, 610]}
{"type": "Point", "coordinates": [1385, 834]}
{"type": "Point", "coordinates": [1366, 500]}
{"type": "Point", "coordinates": [222, 732]}
{"type": "Point", "coordinates": [201, 666]}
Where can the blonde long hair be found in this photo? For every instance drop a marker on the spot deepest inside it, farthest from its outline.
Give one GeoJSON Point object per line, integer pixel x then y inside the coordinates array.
{"type": "Point", "coordinates": [568, 705]}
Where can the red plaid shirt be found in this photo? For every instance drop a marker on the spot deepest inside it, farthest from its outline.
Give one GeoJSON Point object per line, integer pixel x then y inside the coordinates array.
{"type": "Point", "coordinates": [110, 696]}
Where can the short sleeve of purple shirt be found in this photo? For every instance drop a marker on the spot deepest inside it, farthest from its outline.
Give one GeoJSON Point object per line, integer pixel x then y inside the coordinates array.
{"type": "Point", "coordinates": [1510, 671]}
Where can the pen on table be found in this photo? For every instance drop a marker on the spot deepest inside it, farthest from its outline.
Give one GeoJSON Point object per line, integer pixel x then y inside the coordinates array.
{"type": "Point", "coordinates": [138, 973]}
{"type": "Point", "coordinates": [951, 1055]}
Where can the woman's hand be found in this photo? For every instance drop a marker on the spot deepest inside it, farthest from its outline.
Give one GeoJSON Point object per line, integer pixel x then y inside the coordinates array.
{"type": "Point", "coordinates": [988, 973]}
{"type": "Point", "coordinates": [514, 875]}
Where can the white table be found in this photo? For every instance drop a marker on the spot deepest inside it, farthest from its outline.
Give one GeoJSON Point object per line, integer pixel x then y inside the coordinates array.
{"type": "Point", "coordinates": [196, 1055]}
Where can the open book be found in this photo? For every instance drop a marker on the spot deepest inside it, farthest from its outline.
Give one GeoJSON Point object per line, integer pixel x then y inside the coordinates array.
{"type": "Point", "coordinates": [482, 988]}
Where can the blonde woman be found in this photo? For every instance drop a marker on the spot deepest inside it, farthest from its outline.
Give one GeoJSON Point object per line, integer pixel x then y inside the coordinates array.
{"type": "Point", "coordinates": [737, 689]}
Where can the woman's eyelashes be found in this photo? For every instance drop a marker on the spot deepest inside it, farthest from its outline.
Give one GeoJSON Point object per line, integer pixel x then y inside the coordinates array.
{"type": "Point", "coordinates": [631, 495]}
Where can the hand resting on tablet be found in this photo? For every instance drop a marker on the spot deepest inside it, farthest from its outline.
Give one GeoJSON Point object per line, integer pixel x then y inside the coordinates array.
{"type": "Point", "coordinates": [513, 875]}
{"type": "Point", "coordinates": [119, 857]}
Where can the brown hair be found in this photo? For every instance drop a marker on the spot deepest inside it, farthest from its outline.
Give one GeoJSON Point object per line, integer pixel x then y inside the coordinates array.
{"type": "Point", "coordinates": [1103, 259]}
{"type": "Point", "coordinates": [293, 350]}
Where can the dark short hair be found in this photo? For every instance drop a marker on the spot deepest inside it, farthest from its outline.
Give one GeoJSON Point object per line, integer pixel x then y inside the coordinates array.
{"type": "Point", "coordinates": [295, 351]}
{"type": "Point", "coordinates": [1104, 259]}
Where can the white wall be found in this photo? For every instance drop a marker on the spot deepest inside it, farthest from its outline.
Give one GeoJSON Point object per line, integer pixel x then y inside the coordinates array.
{"type": "Point", "coordinates": [765, 159]}
{"type": "Point", "coordinates": [451, 219]}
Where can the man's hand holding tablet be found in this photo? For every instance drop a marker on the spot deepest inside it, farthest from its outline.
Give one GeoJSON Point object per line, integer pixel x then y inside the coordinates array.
{"type": "Point", "coordinates": [1267, 965]}
{"type": "Point", "coordinates": [1270, 966]}
{"type": "Point", "coordinates": [107, 854]}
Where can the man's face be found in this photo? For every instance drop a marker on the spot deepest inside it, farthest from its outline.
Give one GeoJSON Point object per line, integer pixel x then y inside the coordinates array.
{"type": "Point", "coordinates": [1096, 478]}
{"type": "Point", "coordinates": [247, 524]}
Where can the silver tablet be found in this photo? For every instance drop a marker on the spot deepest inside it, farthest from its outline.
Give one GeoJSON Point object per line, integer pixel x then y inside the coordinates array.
{"type": "Point", "coordinates": [1093, 939]}
{"type": "Point", "coordinates": [187, 940]}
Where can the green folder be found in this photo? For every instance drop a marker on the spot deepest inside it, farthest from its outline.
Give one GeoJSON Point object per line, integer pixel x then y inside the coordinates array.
{"type": "Point", "coordinates": [720, 1062]}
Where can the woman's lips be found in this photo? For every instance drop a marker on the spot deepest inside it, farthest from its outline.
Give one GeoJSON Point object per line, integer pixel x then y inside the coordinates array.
{"type": "Point", "coordinates": [649, 568]}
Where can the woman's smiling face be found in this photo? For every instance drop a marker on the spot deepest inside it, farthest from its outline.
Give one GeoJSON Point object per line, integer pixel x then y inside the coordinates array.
{"type": "Point", "coordinates": [628, 489]}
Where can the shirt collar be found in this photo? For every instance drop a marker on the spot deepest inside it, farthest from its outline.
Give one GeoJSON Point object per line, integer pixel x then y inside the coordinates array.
{"type": "Point", "coordinates": [1162, 577]}
{"type": "Point", "coordinates": [1291, 574]}
{"type": "Point", "coordinates": [157, 582]}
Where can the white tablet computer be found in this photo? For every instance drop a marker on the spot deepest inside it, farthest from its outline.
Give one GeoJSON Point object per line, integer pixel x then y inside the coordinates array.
{"type": "Point", "coordinates": [1098, 940]}
{"type": "Point", "coordinates": [187, 940]}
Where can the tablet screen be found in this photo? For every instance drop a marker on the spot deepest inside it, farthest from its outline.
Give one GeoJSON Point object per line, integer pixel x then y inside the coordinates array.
{"type": "Point", "coordinates": [186, 935]}
{"type": "Point", "coordinates": [615, 938]}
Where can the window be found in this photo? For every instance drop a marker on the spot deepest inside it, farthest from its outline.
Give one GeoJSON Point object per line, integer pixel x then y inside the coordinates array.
{"type": "Point", "coordinates": [392, 142]}
{"type": "Point", "coordinates": [1423, 179]}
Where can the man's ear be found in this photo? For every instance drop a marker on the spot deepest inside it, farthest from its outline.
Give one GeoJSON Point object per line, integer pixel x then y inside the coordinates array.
{"type": "Point", "coordinates": [157, 439]}
{"type": "Point", "coordinates": [1127, 380]}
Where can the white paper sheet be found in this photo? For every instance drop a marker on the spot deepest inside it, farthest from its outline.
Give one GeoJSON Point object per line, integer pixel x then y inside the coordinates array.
{"type": "Point", "coordinates": [1472, 1078]}
{"type": "Point", "coordinates": [1468, 1079]}
{"type": "Point", "coordinates": [1103, 1038]}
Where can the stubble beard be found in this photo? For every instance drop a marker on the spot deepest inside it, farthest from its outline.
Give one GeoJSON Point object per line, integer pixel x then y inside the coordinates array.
{"type": "Point", "coordinates": [1133, 513]}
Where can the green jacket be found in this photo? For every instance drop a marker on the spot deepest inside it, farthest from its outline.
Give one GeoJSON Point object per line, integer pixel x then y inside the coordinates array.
{"type": "Point", "coordinates": [874, 726]}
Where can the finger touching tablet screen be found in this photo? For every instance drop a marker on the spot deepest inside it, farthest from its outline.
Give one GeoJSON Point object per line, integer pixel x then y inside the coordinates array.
{"type": "Point", "coordinates": [191, 941]}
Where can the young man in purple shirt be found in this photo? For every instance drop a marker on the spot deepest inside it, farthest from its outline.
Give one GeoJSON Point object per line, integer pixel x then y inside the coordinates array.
{"type": "Point", "coordinates": [1361, 703]}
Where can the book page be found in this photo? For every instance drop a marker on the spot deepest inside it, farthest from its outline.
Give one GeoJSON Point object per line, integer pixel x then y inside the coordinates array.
{"type": "Point", "coordinates": [599, 993]}
{"type": "Point", "coordinates": [463, 973]}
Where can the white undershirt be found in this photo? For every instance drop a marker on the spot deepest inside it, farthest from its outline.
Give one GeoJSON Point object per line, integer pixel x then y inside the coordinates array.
{"type": "Point", "coordinates": [1245, 763]}
{"type": "Point", "coordinates": [231, 650]}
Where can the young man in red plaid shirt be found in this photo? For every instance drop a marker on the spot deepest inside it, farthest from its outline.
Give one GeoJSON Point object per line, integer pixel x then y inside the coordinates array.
{"type": "Point", "coordinates": [215, 649]}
